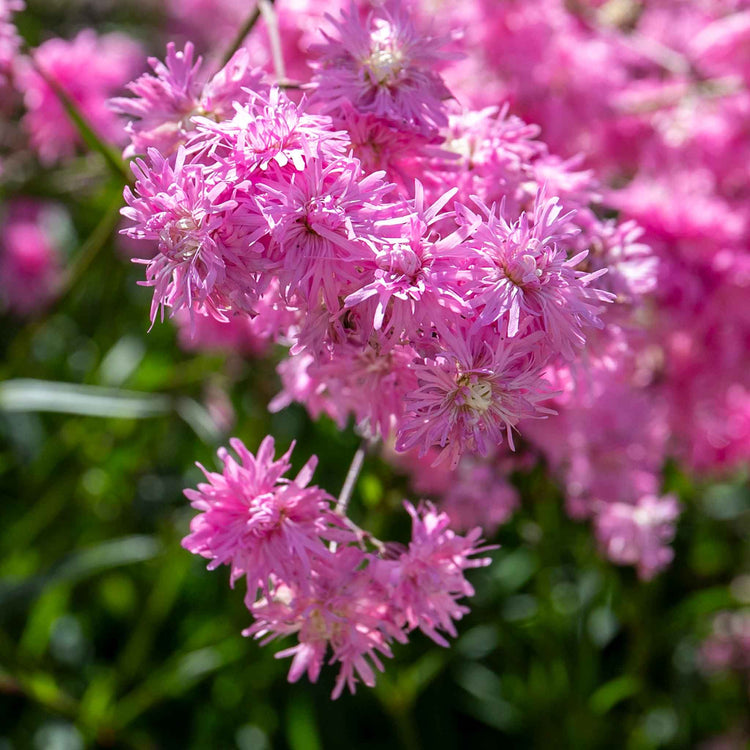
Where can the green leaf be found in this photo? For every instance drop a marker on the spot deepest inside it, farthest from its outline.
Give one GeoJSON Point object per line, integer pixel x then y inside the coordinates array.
{"type": "Point", "coordinates": [88, 400]}
{"type": "Point", "coordinates": [612, 692]}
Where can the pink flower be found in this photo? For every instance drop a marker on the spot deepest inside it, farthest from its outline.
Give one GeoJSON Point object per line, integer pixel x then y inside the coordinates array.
{"type": "Point", "coordinates": [243, 333]}
{"type": "Point", "coordinates": [165, 103]}
{"type": "Point", "coordinates": [322, 226]}
{"type": "Point", "coordinates": [426, 582]}
{"type": "Point", "coordinates": [260, 524]}
{"type": "Point", "coordinates": [89, 69]}
{"type": "Point", "coordinates": [349, 376]}
{"type": "Point", "coordinates": [471, 394]}
{"type": "Point", "coordinates": [493, 154]}
{"type": "Point", "coordinates": [638, 534]}
{"type": "Point", "coordinates": [382, 66]}
{"type": "Point", "coordinates": [525, 279]}
{"type": "Point", "coordinates": [203, 233]}
{"type": "Point", "coordinates": [343, 611]}
{"type": "Point", "coordinates": [480, 495]}
{"type": "Point", "coordinates": [413, 278]}
{"type": "Point", "coordinates": [269, 132]}
{"type": "Point", "coordinates": [10, 41]}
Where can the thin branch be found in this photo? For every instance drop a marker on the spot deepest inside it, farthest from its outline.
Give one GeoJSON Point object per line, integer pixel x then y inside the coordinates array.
{"type": "Point", "coordinates": [351, 479]}
{"type": "Point", "coordinates": [272, 22]}
{"type": "Point", "coordinates": [90, 249]}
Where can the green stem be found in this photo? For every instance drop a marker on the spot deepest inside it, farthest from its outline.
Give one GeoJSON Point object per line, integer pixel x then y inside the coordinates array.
{"type": "Point", "coordinates": [89, 250]}
{"type": "Point", "coordinates": [87, 133]}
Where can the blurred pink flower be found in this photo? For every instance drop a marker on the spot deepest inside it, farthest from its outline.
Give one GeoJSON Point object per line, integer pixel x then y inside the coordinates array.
{"type": "Point", "coordinates": [31, 239]}
{"type": "Point", "coordinates": [89, 69]}
{"type": "Point", "coordinates": [638, 534]}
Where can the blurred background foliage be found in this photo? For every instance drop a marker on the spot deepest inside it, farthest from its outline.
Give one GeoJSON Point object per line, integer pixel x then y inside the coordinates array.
{"type": "Point", "coordinates": [112, 635]}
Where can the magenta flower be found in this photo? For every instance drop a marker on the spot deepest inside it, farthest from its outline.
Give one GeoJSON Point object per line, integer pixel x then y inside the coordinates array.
{"type": "Point", "coordinates": [427, 580]}
{"type": "Point", "coordinates": [262, 525]}
{"type": "Point", "coordinates": [493, 155]}
{"type": "Point", "coordinates": [480, 495]}
{"type": "Point", "coordinates": [382, 66]}
{"type": "Point", "coordinates": [271, 131]}
{"type": "Point", "coordinates": [10, 41]}
{"type": "Point", "coordinates": [30, 255]}
{"type": "Point", "coordinates": [243, 333]}
{"type": "Point", "coordinates": [165, 102]}
{"type": "Point", "coordinates": [322, 227]}
{"type": "Point", "coordinates": [351, 373]}
{"type": "Point", "coordinates": [413, 278]}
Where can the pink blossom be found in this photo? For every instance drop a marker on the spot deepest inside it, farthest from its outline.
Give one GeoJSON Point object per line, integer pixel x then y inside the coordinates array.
{"type": "Point", "coordinates": [165, 102]}
{"type": "Point", "coordinates": [256, 521]}
{"type": "Point", "coordinates": [382, 66]}
{"type": "Point", "coordinates": [245, 333]}
{"type": "Point", "coordinates": [322, 226]}
{"type": "Point", "coordinates": [412, 279]}
{"type": "Point", "coordinates": [10, 41]}
{"type": "Point", "coordinates": [495, 152]}
{"type": "Point", "coordinates": [351, 373]}
{"type": "Point", "coordinates": [471, 394]}
{"type": "Point", "coordinates": [526, 280]}
{"type": "Point", "coordinates": [200, 229]}
{"type": "Point", "coordinates": [344, 612]}
{"type": "Point", "coordinates": [427, 580]}
{"type": "Point", "coordinates": [480, 495]}
{"type": "Point", "coordinates": [269, 132]}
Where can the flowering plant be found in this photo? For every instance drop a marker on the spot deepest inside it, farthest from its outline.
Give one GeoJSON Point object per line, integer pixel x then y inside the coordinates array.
{"type": "Point", "coordinates": [505, 247]}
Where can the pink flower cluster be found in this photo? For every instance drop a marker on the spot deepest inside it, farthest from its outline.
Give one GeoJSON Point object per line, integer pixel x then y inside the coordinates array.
{"type": "Point", "coordinates": [655, 95]}
{"type": "Point", "coordinates": [403, 245]}
{"type": "Point", "coordinates": [310, 572]}
{"type": "Point", "coordinates": [450, 310]}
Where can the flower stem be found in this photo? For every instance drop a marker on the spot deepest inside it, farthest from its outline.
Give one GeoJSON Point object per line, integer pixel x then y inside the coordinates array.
{"type": "Point", "coordinates": [89, 136]}
{"type": "Point", "coordinates": [272, 22]}
{"type": "Point", "coordinates": [351, 479]}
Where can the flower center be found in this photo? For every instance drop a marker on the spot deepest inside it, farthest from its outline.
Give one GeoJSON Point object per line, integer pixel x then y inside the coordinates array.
{"type": "Point", "coordinates": [323, 212]}
{"type": "Point", "coordinates": [183, 237]}
{"type": "Point", "coordinates": [521, 270]}
{"type": "Point", "coordinates": [399, 259]}
{"type": "Point", "coordinates": [474, 393]}
{"type": "Point", "coordinates": [386, 61]}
